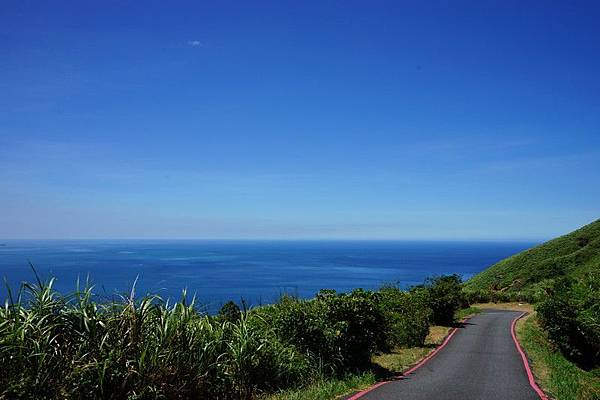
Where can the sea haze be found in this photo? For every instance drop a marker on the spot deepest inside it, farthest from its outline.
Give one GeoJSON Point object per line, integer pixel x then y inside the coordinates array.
{"type": "Point", "coordinates": [256, 271]}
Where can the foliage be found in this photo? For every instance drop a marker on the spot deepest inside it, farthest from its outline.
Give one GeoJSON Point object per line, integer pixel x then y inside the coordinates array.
{"type": "Point", "coordinates": [527, 295]}
{"type": "Point", "coordinates": [230, 312]}
{"type": "Point", "coordinates": [571, 316]}
{"type": "Point", "coordinates": [71, 346]}
{"type": "Point", "coordinates": [444, 295]}
{"type": "Point", "coordinates": [304, 324]}
{"type": "Point", "coordinates": [407, 315]}
{"type": "Point", "coordinates": [559, 377]}
{"type": "Point", "coordinates": [360, 321]}
{"type": "Point", "coordinates": [528, 274]}
{"type": "Point", "coordinates": [341, 331]}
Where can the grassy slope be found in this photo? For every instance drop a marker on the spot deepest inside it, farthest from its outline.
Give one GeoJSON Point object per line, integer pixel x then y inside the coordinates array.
{"type": "Point", "coordinates": [571, 254]}
{"type": "Point", "coordinates": [560, 378]}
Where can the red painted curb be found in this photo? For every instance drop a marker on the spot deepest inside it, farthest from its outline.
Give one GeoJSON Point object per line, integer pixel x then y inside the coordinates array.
{"type": "Point", "coordinates": [412, 369]}
{"type": "Point", "coordinates": [532, 382]}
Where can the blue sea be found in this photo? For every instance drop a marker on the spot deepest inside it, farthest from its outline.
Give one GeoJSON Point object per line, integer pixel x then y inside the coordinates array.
{"type": "Point", "coordinates": [256, 271]}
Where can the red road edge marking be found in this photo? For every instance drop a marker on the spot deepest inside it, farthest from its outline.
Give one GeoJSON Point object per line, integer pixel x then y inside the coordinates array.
{"type": "Point", "coordinates": [534, 385]}
{"type": "Point", "coordinates": [532, 382]}
{"type": "Point", "coordinates": [411, 370]}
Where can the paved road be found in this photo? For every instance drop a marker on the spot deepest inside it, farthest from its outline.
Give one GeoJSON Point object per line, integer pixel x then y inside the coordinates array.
{"type": "Point", "coordinates": [480, 362]}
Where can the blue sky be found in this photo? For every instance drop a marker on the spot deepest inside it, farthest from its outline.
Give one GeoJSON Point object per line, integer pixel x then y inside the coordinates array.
{"type": "Point", "coordinates": [362, 120]}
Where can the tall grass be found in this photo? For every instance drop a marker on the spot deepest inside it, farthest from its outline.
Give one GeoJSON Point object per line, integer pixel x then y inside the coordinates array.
{"type": "Point", "coordinates": [71, 346]}
{"type": "Point", "coordinates": [54, 346]}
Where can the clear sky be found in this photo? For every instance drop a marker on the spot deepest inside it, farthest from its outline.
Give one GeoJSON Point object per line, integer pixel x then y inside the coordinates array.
{"type": "Point", "coordinates": [325, 119]}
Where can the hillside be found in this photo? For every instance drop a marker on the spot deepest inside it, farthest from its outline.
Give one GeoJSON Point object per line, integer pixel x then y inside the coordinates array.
{"type": "Point", "coordinates": [572, 254]}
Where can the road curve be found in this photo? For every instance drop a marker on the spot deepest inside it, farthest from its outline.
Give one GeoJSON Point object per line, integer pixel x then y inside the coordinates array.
{"type": "Point", "coordinates": [480, 362]}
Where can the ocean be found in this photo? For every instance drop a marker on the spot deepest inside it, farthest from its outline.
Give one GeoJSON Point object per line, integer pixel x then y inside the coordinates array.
{"type": "Point", "coordinates": [257, 272]}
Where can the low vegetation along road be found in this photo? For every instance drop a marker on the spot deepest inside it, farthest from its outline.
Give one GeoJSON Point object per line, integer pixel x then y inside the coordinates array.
{"type": "Point", "coordinates": [480, 361]}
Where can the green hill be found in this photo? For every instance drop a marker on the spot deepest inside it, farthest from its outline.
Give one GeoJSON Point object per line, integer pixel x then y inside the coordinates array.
{"type": "Point", "coordinates": [573, 254]}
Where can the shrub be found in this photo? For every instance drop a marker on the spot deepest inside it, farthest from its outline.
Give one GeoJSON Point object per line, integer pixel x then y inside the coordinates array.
{"type": "Point", "coordinates": [305, 325]}
{"type": "Point", "coordinates": [341, 331]}
{"type": "Point", "coordinates": [571, 316]}
{"type": "Point", "coordinates": [444, 296]}
{"type": "Point", "coordinates": [407, 317]}
{"type": "Point", "coordinates": [230, 312]}
{"type": "Point", "coordinates": [360, 322]}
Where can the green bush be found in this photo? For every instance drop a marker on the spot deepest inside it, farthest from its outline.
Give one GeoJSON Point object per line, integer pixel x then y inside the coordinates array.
{"type": "Point", "coordinates": [407, 316]}
{"type": "Point", "coordinates": [341, 331]}
{"type": "Point", "coordinates": [230, 312]}
{"type": "Point", "coordinates": [360, 322]}
{"type": "Point", "coordinates": [444, 296]}
{"type": "Point", "coordinates": [305, 325]}
{"type": "Point", "coordinates": [571, 316]}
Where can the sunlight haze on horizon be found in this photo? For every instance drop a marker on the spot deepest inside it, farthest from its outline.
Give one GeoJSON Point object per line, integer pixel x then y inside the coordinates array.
{"type": "Point", "coordinates": [299, 120]}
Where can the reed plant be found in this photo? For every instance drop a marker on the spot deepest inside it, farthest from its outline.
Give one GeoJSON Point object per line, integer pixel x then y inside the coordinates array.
{"type": "Point", "coordinates": [73, 346]}
{"type": "Point", "coordinates": [54, 346]}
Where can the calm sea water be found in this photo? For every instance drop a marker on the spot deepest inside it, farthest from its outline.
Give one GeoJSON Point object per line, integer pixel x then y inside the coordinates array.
{"type": "Point", "coordinates": [256, 271]}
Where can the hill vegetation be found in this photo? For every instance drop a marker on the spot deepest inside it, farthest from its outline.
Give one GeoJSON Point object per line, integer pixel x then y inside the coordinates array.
{"type": "Point", "coordinates": [529, 274]}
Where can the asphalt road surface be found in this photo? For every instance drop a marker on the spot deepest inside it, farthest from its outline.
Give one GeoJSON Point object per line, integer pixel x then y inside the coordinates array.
{"type": "Point", "coordinates": [480, 362]}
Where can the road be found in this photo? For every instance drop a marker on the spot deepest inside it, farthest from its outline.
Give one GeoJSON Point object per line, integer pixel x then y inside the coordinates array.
{"type": "Point", "coordinates": [480, 362]}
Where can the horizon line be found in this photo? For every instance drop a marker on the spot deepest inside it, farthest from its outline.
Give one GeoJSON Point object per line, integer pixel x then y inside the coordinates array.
{"type": "Point", "coordinates": [279, 239]}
